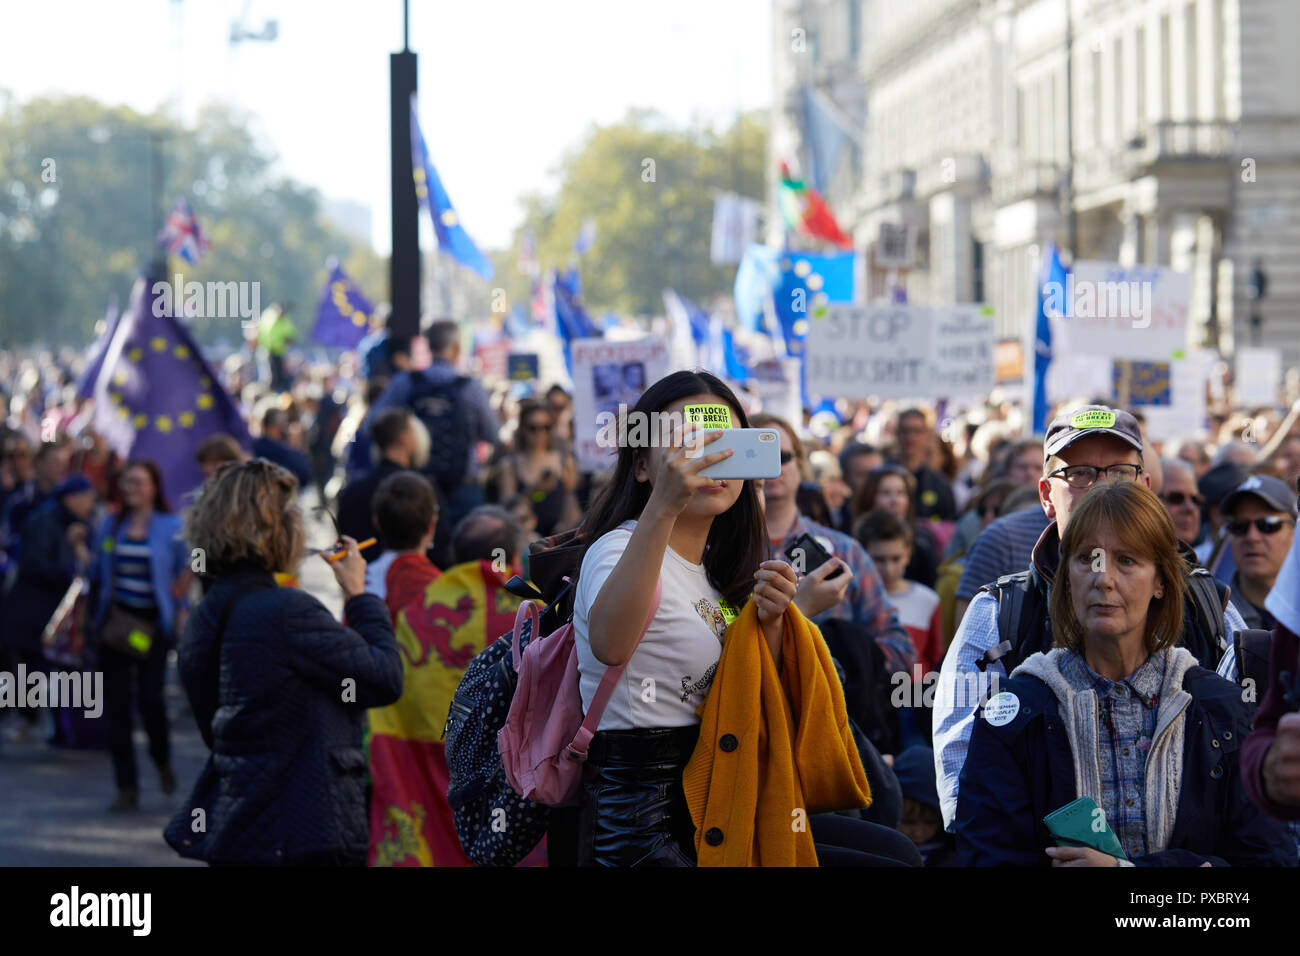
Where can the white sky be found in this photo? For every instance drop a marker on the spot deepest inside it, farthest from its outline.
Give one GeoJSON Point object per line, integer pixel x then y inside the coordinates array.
{"type": "Point", "coordinates": [506, 86]}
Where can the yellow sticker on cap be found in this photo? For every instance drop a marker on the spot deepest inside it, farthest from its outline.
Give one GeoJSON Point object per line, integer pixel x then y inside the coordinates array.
{"type": "Point", "coordinates": [1093, 418]}
{"type": "Point", "coordinates": [708, 416]}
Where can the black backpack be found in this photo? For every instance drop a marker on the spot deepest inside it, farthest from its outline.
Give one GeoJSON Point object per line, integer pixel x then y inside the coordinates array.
{"type": "Point", "coordinates": [1024, 628]}
{"type": "Point", "coordinates": [495, 825]}
{"type": "Point", "coordinates": [867, 688]}
{"type": "Point", "coordinates": [1252, 648]}
{"type": "Point", "coordinates": [441, 409]}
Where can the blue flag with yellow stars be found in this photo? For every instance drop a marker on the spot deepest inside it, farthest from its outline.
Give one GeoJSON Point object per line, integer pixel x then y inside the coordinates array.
{"type": "Point", "coordinates": [452, 237]}
{"type": "Point", "coordinates": [156, 397]}
{"type": "Point", "coordinates": [808, 285]}
{"type": "Point", "coordinates": [344, 315]}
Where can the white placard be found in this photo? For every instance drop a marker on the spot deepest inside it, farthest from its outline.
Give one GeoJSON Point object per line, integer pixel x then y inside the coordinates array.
{"type": "Point", "coordinates": [1184, 416]}
{"type": "Point", "coordinates": [901, 351]}
{"type": "Point", "coordinates": [1126, 313]}
{"type": "Point", "coordinates": [605, 375]}
{"type": "Point", "coordinates": [962, 364]}
{"type": "Point", "coordinates": [1258, 376]}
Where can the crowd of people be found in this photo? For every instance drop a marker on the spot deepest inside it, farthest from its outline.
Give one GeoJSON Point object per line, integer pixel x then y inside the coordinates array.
{"type": "Point", "coordinates": [1005, 623]}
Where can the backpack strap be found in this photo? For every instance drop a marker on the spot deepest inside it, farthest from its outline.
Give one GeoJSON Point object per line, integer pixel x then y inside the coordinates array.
{"type": "Point", "coordinates": [1009, 591]}
{"type": "Point", "coordinates": [599, 700]}
{"type": "Point", "coordinates": [1209, 602]}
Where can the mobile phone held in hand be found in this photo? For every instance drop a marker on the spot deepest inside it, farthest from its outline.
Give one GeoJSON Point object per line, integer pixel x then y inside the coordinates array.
{"type": "Point", "coordinates": [807, 555]}
{"type": "Point", "coordinates": [757, 453]}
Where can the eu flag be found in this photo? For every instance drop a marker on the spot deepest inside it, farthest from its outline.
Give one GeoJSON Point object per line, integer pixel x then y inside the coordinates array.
{"type": "Point", "coordinates": [344, 315]}
{"type": "Point", "coordinates": [452, 237]}
{"type": "Point", "coordinates": [1051, 272]}
{"type": "Point", "coordinates": [808, 285]}
{"type": "Point", "coordinates": [156, 397]}
{"type": "Point", "coordinates": [86, 383]}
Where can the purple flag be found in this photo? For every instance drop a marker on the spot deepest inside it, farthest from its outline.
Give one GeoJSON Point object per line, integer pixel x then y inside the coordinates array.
{"type": "Point", "coordinates": [344, 314]}
{"type": "Point", "coordinates": [156, 397]}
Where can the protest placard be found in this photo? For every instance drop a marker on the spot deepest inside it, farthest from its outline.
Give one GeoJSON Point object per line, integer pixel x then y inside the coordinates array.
{"type": "Point", "coordinates": [522, 366]}
{"type": "Point", "coordinates": [901, 351]}
{"type": "Point", "coordinates": [1258, 375]}
{"type": "Point", "coordinates": [606, 375]}
{"type": "Point", "coordinates": [1124, 313]}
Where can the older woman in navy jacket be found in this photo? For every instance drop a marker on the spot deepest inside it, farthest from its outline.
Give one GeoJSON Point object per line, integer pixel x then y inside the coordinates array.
{"type": "Point", "coordinates": [139, 559]}
{"type": "Point", "coordinates": [1117, 713]}
{"type": "Point", "coordinates": [278, 686]}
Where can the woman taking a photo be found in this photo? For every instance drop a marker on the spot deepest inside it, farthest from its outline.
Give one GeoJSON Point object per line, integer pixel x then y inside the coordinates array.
{"type": "Point", "coordinates": [139, 565]}
{"type": "Point", "coordinates": [660, 522]}
{"type": "Point", "coordinates": [278, 687]}
{"type": "Point", "coordinates": [541, 471]}
{"type": "Point", "coordinates": [1117, 713]}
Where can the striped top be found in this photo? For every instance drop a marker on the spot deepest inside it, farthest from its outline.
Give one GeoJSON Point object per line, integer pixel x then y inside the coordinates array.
{"type": "Point", "coordinates": [132, 577]}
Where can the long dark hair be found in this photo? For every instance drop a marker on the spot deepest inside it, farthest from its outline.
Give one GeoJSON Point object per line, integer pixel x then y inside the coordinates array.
{"type": "Point", "coordinates": [737, 542]}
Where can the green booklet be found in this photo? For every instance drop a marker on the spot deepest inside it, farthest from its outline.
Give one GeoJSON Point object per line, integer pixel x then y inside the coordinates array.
{"type": "Point", "coordinates": [1082, 823]}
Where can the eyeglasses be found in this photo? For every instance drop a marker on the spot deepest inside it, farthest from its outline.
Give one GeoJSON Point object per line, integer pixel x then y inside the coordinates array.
{"type": "Point", "coordinates": [1269, 524]}
{"type": "Point", "coordinates": [786, 458]}
{"type": "Point", "coordinates": [1080, 477]}
{"type": "Point", "coordinates": [1178, 498]}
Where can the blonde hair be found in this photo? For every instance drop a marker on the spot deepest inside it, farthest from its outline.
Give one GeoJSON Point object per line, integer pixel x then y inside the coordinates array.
{"type": "Point", "coordinates": [248, 513]}
{"type": "Point", "coordinates": [1138, 518]}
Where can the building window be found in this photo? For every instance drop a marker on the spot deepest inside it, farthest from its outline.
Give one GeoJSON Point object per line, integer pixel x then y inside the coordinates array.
{"type": "Point", "coordinates": [977, 270]}
{"type": "Point", "coordinates": [1193, 105]}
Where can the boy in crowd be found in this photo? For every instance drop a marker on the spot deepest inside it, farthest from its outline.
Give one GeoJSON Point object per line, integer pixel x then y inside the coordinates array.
{"type": "Point", "coordinates": [888, 540]}
{"type": "Point", "coordinates": [406, 515]}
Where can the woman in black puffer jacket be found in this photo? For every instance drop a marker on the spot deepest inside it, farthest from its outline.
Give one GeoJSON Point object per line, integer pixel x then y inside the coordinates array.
{"type": "Point", "coordinates": [279, 688]}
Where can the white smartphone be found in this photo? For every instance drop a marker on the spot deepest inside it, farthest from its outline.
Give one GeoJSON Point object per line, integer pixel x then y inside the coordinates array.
{"type": "Point", "coordinates": [757, 453]}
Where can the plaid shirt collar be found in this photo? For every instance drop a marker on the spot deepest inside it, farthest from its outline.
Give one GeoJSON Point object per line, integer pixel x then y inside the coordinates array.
{"type": "Point", "coordinates": [1146, 681]}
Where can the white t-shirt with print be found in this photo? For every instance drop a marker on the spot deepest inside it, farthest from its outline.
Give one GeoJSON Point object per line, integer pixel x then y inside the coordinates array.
{"type": "Point", "coordinates": [672, 669]}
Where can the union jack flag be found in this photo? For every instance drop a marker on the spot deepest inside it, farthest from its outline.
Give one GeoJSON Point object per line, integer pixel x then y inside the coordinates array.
{"type": "Point", "coordinates": [182, 234]}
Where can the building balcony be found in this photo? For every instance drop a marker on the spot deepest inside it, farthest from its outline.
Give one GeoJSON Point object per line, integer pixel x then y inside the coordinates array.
{"type": "Point", "coordinates": [1024, 181]}
{"type": "Point", "coordinates": [1152, 150]}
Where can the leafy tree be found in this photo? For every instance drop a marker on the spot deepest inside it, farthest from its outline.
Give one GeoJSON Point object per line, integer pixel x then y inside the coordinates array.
{"type": "Point", "coordinates": [78, 216]}
{"type": "Point", "coordinates": [650, 189]}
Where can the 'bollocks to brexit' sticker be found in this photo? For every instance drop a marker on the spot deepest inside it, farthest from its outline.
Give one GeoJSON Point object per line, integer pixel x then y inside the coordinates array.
{"type": "Point", "coordinates": [708, 416]}
{"type": "Point", "coordinates": [1093, 418]}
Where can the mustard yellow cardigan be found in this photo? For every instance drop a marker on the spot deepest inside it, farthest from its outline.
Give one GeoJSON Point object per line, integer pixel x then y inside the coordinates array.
{"type": "Point", "coordinates": [774, 749]}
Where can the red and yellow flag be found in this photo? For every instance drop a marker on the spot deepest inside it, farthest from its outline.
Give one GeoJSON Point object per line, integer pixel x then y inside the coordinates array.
{"type": "Point", "coordinates": [438, 634]}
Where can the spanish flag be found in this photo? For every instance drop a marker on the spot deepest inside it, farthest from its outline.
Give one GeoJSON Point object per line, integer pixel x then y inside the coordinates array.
{"type": "Point", "coordinates": [438, 634]}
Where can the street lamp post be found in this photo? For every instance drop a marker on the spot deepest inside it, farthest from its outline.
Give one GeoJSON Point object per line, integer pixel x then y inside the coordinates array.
{"type": "Point", "coordinates": [404, 263]}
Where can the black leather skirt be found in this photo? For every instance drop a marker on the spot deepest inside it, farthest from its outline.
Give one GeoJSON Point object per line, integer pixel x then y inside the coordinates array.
{"type": "Point", "coordinates": [633, 808]}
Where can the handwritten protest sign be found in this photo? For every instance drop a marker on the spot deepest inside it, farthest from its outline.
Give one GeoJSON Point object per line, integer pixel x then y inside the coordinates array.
{"type": "Point", "coordinates": [901, 351]}
{"type": "Point", "coordinates": [1124, 313]}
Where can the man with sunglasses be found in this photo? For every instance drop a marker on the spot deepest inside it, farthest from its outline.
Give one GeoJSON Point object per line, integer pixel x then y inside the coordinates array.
{"type": "Point", "coordinates": [1182, 500]}
{"type": "Point", "coordinates": [1007, 621]}
{"type": "Point", "coordinates": [1261, 515]}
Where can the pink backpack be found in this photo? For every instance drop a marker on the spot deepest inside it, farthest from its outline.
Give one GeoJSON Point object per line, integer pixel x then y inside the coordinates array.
{"type": "Point", "coordinates": [544, 742]}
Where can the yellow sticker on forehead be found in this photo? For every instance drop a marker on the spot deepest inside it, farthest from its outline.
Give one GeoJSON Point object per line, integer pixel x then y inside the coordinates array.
{"type": "Point", "coordinates": [708, 416]}
{"type": "Point", "coordinates": [1093, 418]}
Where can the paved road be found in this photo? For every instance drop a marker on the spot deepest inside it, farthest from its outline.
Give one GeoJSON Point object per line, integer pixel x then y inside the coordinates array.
{"type": "Point", "coordinates": [54, 803]}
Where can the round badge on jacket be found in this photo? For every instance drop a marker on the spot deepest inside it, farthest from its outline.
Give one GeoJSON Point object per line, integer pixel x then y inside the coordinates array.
{"type": "Point", "coordinates": [1002, 708]}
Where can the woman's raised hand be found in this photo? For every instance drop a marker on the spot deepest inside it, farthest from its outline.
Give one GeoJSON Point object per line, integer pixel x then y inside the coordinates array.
{"type": "Point", "coordinates": [679, 473]}
{"type": "Point", "coordinates": [773, 592]}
